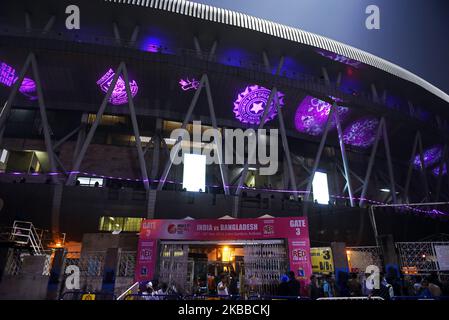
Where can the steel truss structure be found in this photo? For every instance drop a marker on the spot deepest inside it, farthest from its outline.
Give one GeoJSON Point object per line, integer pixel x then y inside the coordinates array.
{"type": "Point", "coordinates": [84, 138]}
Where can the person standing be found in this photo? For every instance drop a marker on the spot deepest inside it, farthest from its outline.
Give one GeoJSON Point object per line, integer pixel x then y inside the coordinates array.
{"type": "Point", "coordinates": [222, 287]}
{"type": "Point", "coordinates": [314, 288]}
{"type": "Point", "coordinates": [354, 286]}
{"type": "Point", "coordinates": [294, 287]}
{"type": "Point", "coordinates": [328, 288]}
{"type": "Point", "coordinates": [283, 290]}
{"type": "Point", "coordinates": [233, 284]}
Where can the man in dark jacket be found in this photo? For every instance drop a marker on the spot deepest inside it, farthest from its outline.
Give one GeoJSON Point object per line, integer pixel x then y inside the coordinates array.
{"type": "Point", "coordinates": [294, 287]}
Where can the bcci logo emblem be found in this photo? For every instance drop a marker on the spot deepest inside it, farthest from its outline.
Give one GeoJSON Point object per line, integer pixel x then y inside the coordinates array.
{"type": "Point", "coordinates": [250, 105]}
{"type": "Point", "coordinates": [268, 229]}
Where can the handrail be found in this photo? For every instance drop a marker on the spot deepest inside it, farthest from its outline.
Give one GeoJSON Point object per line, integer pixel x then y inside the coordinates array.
{"type": "Point", "coordinates": [125, 293]}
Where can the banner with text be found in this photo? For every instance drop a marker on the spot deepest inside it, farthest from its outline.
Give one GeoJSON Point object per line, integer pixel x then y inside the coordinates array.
{"type": "Point", "coordinates": [295, 230]}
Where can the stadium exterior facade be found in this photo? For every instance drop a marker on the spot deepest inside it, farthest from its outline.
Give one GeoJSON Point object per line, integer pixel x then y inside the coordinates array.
{"type": "Point", "coordinates": [377, 130]}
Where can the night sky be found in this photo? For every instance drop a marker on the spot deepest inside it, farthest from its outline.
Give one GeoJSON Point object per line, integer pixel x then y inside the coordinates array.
{"type": "Point", "coordinates": [414, 34]}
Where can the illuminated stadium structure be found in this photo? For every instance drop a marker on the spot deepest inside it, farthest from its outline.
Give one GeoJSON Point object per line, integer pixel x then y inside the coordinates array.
{"type": "Point", "coordinates": [379, 132]}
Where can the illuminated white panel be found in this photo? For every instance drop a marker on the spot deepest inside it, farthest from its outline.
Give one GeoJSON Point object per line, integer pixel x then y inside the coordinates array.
{"type": "Point", "coordinates": [320, 188]}
{"type": "Point", "coordinates": [194, 176]}
{"type": "Point", "coordinates": [3, 156]}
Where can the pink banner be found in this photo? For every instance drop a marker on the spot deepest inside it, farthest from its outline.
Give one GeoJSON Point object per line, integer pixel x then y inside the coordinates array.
{"type": "Point", "coordinates": [295, 230]}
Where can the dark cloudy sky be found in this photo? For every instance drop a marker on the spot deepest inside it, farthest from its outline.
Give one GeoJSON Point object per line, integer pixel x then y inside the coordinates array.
{"type": "Point", "coordinates": [414, 33]}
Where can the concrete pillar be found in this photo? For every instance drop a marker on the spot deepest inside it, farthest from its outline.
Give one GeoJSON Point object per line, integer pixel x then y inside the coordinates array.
{"type": "Point", "coordinates": [109, 271]}
{"type": "Point", "coordinates": [3, 260]}
{"type": "Point", "coordinates": [55, 275]}
{"type": "Point", "coordinates": [390, 256]}
{"type": "Point", "coordinates": [340, 262]}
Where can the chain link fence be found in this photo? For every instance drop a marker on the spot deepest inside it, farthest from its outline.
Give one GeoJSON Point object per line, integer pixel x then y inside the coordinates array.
{"type": "Point", "coordinates": [126, 264]}
{"type": "Point", "coordinates": [359, 258]}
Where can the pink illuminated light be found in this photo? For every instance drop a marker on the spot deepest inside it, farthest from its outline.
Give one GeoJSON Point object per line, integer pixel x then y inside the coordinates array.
{"type": "Point", "coordinates": [119, 95]}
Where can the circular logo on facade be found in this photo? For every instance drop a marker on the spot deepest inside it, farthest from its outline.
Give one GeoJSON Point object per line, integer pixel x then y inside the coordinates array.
{"type": "Point", "coordinates": [171, 228]}
{"type": "Point", "coordinates": [250, 105]}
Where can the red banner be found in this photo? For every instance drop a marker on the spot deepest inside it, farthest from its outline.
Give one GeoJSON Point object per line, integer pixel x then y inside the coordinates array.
{"type": "Point", "coordinates": [295, 230]}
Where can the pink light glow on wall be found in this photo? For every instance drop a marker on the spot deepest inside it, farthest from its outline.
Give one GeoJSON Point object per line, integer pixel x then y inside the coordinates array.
{"type": "Point", "coordinates": [8, 77]}
{"type": "Point", "coordinates": [187, 84]}
{"type": "Point", "coordinates": [250, 105]}
{"type": "Point", "coordinates": [119, 95]}
{"type": "Point", "coordinates": [312, 114]}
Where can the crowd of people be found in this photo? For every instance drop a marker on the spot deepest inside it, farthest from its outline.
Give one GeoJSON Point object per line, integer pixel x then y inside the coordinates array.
{"type": "Point", "coordinates": [388, 287]}
{"type": "Point", "coordinates": [320, 286]}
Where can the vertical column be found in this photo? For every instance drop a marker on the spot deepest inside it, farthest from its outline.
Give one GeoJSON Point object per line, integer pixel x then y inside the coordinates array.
{"type": "Point", "coordinates": [340, 262]}
{"type": "Point", "coordinates": [390, 256]}
{"type": "Point", "coordinates": [55, 275]}
{"type": "Point", "coordinates": [110, 270]}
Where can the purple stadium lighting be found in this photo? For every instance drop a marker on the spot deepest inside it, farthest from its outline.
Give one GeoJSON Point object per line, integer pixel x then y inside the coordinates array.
{"type": "Point", "coordinates": [361, 133]}
{"type": "Point", "coordinates": [187, 84]}
{"type": "Point", "coordinates": [312, 113]}
{"type": "Point", "coordinates": [28, 88]}
{"type": "Point", "coordinates": [119, 95]}
{"type": "Point", "coordinates": [339, 58]}
{"type": "Point", "coordinates": [250, 105]}
{"type": "Point", "coordinates": [8, 78]}
{"type": "Point", "coordinates": [436, 171]}
{"type": "Point", "coordinates": [431, 156]}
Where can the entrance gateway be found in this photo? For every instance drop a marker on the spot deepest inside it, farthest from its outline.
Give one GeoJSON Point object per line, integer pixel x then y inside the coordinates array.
{"type": "Point", "coordinates": [195, 254]}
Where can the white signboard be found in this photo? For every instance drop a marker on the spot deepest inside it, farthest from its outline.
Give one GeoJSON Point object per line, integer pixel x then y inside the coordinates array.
{"type": "Point", "coordinates": [442, 253]}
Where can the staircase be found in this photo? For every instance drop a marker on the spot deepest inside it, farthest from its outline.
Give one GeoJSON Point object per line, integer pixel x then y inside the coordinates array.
{"type": "Point", "coordinates": [24, 233]}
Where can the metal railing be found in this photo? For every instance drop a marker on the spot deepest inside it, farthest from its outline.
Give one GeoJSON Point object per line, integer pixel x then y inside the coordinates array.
{"type": "Point", "coordinates": [24, 232]}
{"type": "Point", "coordinates": [126, 264]}
{"type": "Point", "coordinates": [359, 258]}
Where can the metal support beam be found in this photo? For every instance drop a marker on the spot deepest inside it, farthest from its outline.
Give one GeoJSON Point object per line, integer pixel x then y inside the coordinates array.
{"type": "Point", "coordinates": [253, 150]}
{"type": "Point", "coordinates": [338, 79]}
{"type": "Point", "coordinates": [440, 173]}
{"type": "Point", "coordinates": [117, 37]}
{"type": "Point", "coordinates": [197, 45]}
{"type": "Point", "coordinates": [132, 114]}
{"type": "Point", "coordinates": [43, 114]}
{"type": "Point", "coordinates": [65, 138]}
{"type": "Point", "coordinates": [270, 100]}
{"type": "Point", "coordinates": [177, 145]}
{"type": "Point", "coordinates": [410, 168]}
{"type": "Point", "coordinates": [223, 168]}
{"type": "Point", "coordinates": [344, 158]}
{"type": "Point", "coordinates": [266, 62]}
{"type": "Point", "coordinates": [318, 157]}
{"type": "Point", "coordinates": [371, 163]}
{"type": "Point", "coordinates": [389, 162]}
{"type": "Point", "coordinates": [134, 36]}
{"type": "Point", "coordinates": [156, 149]}
{"type": "Point", "coordinates": [28, 26]}
{"type": "Point", "coordinates": [213, 50]}
{"type": "Point", "coordinates": [285, 143]}
{"type": "Point", "coordinates": [15, 88]}
{"type": "Point", "coordinates": [81, 136]}
{"type": "Point", "coordinates": [327, 80]}
{"type": "Point", "coordinates": [374, 92]}
{"type": "Point", "coordinates": [423, 168]}
{"type": "Point", "coordinates": [87, 141]}
{"type": "Point", "coordinates": [49, 25]}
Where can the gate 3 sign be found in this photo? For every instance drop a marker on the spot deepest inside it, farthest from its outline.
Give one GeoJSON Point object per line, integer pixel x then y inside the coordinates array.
{"type": "Point", "coordinates": [295, 230]}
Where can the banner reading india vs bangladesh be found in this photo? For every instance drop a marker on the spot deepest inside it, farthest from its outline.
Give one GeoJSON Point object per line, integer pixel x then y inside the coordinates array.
{"type": "Point", "coordinates": [294, 230]}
